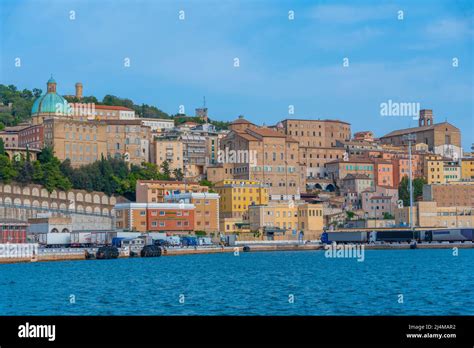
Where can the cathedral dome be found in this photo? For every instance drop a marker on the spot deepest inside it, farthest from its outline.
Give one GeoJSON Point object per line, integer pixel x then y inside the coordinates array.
{"type": "Point", "coordinates": [51, 102]}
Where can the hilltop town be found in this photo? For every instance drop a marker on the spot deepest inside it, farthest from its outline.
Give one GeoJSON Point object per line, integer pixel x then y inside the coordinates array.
{"type": "Point", "coordinates": [78, 166]}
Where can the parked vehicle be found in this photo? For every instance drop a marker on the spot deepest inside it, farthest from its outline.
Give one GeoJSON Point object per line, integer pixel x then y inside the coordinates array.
{"type": "Point", "coordinates": [54, 240]}
{"type": "Point", "coordinates": [161, 243]}
{"type": "Point", "coordinates": [436, 235]}
{"type": "Point", "coordinates": [134, 245]}
{"type": "Point", "coordinates": [173, 240]}
{"type": "Point", "coordinates": [204, 241]}
{"type": "Point", "coordinates": [117, 242]}
{"type": "Point", "coordinates": [189, 241]}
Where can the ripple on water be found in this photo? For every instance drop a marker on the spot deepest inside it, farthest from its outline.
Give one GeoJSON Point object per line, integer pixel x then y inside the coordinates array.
{"type": "Point", "coordinates": [432, 282]}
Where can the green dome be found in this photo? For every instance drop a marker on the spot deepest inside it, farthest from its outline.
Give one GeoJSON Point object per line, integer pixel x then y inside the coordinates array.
{"type": "Point", "coordinates": [51, 102]}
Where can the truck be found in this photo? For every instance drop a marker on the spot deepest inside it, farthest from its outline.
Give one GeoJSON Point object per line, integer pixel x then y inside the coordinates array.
{"type": "Point", "coordinates": [204, 241]}
{"type": "Point", "coordinates": [173, 240]}
{"type": "Point", "coordinates": [55, 240]}
{"type": "Point", "coordinates": [344, 237]}
{"type": "Point", "coordinates": [117, 241]}
{"type": "Point", "coordinates": [102, 237]}
{"type": "Point", "coordinates": [81, 239]}
{"type": "Point", "coordinates": [189, 241]}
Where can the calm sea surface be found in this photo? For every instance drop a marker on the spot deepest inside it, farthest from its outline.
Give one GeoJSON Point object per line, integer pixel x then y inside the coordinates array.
{"type": "Point", "coordinates": [432, 282]}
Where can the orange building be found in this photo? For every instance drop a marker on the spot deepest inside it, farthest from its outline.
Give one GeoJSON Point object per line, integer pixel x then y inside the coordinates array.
{"type": "Point", "coordinates": [206, 213]}
{"type": "Point", "coordinates": [155, 217]}
{"type": "Point", "coordinates": [383, 171]}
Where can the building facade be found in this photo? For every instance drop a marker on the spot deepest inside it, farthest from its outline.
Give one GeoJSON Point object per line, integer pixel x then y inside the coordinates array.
{"type": "Point", "coordinates": [177, 218]}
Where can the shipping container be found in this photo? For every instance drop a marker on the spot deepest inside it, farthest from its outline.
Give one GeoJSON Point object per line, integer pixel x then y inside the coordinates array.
{"type": "Point", "coordinates": [55, 239]}
{"type": "Point", "coordinates": [79, 239]}
{"type": "Point", "coordinates": [102, 237]}
{"type": "Point", "coordinates": [343, 237]}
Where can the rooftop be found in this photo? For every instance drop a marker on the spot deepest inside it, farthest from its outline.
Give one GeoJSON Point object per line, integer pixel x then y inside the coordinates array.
{"type": "Point", "coordinates": [416, 129]}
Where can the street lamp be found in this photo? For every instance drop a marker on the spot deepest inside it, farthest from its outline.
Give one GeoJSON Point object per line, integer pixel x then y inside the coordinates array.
{"type": "Point", "coordinates": [410, 138]}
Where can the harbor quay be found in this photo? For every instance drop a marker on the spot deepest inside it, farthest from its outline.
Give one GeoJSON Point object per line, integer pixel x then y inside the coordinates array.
{"type": "Point", "coordinates": [20, 253]}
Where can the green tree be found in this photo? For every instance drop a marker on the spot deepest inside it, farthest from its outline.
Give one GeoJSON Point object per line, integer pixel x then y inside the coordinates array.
{"type": "Point", "coordinates": [165, 169]}
{"type": "Point", "coordinates": [7, 172]}
{"type": "Point", "coordinates": [350, 215]}
{"type": "Point", "coordinates": [404, 193]}
{"type": "Point", "coordinates": [178, 174]}
{"type": "Point", "coordinates": [46, 155]}
{"type": "Point", "coordinates": [2, 147]}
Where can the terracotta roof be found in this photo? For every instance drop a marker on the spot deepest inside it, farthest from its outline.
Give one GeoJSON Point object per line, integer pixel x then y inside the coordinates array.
{"type": "Point", "coordinates": [326, 120]}
{"type": "Point", "coordinates": [246, 136]}
{"type": "Point", "coordinates": [111, 107]}
{"type": "Point", "coordinates": [241, 120]}
{"type": "Point", "coordinates": [266, 132]}
{"type": "Point", "coordinates": [357, 176]}
{"type": "Point", "coordinates": [416, 129]}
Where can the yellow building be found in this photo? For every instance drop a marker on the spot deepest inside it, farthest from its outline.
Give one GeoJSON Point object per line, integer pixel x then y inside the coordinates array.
{"type": "Point", "coordinates": [433, 169]}
{"type": "Point", "coordinates": [238, 195]}
{"type": "Point", "coordinates": [467, 169]}
{"type": "Point", "coordinates": [168, 149]}
{"type": "Point", "coordinates": [287, 219]}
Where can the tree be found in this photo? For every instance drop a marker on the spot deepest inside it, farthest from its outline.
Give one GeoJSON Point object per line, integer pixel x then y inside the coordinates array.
{"type": "Point", "coordinates": [388, 216]}
{"type": "Point", "coordinates": [404, 193]}
{"type": "Point", "coordinates": [46, 155]}
{"type": "Point", "coordinates": [165, 169]}
{"type": "Point", "coordinates": [350, 215]}
{"type": "Point", "coordinates": [2, 147]}
{"type": "Point", "coordinates": [205, 182]}
{"type": "Point", "coordinates": [7, 172]}
{"type": "Point", "coordinates": [178, 174]}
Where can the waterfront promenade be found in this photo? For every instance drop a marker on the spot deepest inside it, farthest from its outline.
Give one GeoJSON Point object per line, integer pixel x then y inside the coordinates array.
{"type": "Point", "coordinates": [69, 254]}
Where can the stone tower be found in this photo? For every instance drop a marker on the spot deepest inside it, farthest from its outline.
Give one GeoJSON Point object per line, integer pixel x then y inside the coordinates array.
{"type": "Point", "coordinates": [426, 118]}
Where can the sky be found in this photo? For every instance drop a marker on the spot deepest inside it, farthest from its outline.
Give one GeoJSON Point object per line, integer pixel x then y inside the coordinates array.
{"type": "Point", "coordinates": [285, 63]}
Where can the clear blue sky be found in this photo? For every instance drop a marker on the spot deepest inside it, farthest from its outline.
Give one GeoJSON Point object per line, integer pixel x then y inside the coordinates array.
{"type": "Point", "coordinates": [282, 62]}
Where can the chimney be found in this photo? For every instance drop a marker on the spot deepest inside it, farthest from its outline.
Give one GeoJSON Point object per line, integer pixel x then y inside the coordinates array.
{"type": "Point", "coordinates": [79, 90]}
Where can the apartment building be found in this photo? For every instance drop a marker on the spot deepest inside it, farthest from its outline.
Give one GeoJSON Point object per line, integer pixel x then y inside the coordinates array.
{"type": "Point", "coordinates": [168, 149]}
{"type": "Point", "coordinates": [451, 170]}
{"type": "Point", "coordinates": [128, 139]}
{"type": "Point", "coordinates": [317, 133]}
{"type": "Point", "coordinates": [206, 213]}
{"type": "Point", "coordinates": [265, 155]}
{"type": "Point", "coordinates": [314, 159]}
{"type": "Point", "coordinates": [339, 169]}
{"type": "Point", "coordinates": [177, 218]}
{"type": "Point", "coordinates": [287, 218]}
{"type": "Point", "coordinates": [433, 169]}
{"type": "Point", "coordinates": [237, 195]}
{"type": "Point", "coordinates": [467, 169]}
